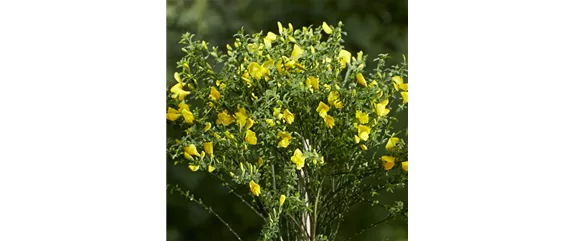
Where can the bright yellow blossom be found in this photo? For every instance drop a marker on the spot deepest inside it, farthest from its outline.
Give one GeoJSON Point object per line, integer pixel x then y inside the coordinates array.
{"type": "Point", "coordinates": [361, 80]}
{"type": "Point", "coordinates": [312, 82]}
{"type": "Point", "coordinates": [210, 168]}
{"type": "Point", "coordinates": [281, 200]}
{"type": "Point", "coordinates": [178, 92]}
{"type": "Point", "coordinates": [255, 188]}
{"type": "Point", "coordinates": [208, 148]}
{"type": "Point", "coordinates": [241, 117]}
{"type": "Point", "coordinates": [363, 147]}
{"type": "Point", "coordinates": [357, 139]}
{"type": "Point", "coordinates": [405, 96]}
{"type": "Point", "coordinates": [215, 95]}
{"type": "Point", "coordinates": [183, 106]}
{"type": "Point", "coordinates": [344, 57]}
{"type": "Point", "coordinates": [280, 27]}
{"type": "Point", "coordinates": [172, 114]}
{"type": "Point", "coordinates": [288, 116]}
{"type": "Point", "coordinates": [249, 123]}
{"type": "Point", "coordinates": [257, 71]}
{"type": "Point", "coordinates": [270, 122]}
{"type": "Point", "coordinates": [229, 135]}
{"type": "Point", "coordinates": [326, 28]}
{"type": "Point", "coordinates": [391, 143]}
{"type": "Point", "coordinates": [364, 132]}
{"type": "Point", "coordinates": [329, 121]}
{"type": "Point", "coordinates": [285, 139]}
{"type": "Point", "coordinates": [188, 116]}
{"type": "Point", "coordinates": [207, 127]}
{"type": "Point", "coordinates": [250, 137]}
{"type": "Point", "coordinates": [298, 158]}
{"type": "Point", "coordinates": [193, 168]}
{"type": "Point", "coordinates": [297, 52]}
{"type": "Point", "coordinates": [363, 117]}
{"type": "Point", "coordinates": [381, 108]}
{"type": "Point", "coordinates": [398, 83]}
{"type": "Point", "coordinates": [388, 162]}
{"type": "Point", "coordinates": [322, 109]}
{"type": "Point", "coordinates": [224, 118]}
{"type": "Point", "coordinates": [191, 149]}
{"type": "Point", "coordinates": [405, 165]}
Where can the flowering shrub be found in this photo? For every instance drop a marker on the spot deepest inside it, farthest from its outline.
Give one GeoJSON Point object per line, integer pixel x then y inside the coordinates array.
{"type": "Point", "coordinates": [292, 125]}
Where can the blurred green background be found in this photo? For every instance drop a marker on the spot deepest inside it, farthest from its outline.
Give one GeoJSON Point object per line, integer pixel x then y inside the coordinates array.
{"type": "Point", "coordinates": [372, 26]}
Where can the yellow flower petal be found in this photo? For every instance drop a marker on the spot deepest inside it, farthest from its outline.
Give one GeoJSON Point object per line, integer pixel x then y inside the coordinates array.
{"type": "Point", "coordinates": [363, 117]}
{"type": "Point", "coordinates": [188, 116]}
{"type": "Point", "coordinates": [344, 57]}
{"type": "Point", "coordinates": [391, 143]}
{"type": "Point", "coordinates": [298, 159]}
{"type": "Point", "coordinates": [280, 27]}
{"type": "Point", "coordinates": [322, 109]}
{"type": "Point", "coordinates": [326, 28]}
{"type": "Point", "coordinates": [208, 148]}
{"type": "Point", "coordinates": [255, 188]}
{"type": "Point", "coordinates": [363, 147]}
{"type": "Point", "coordinates": [364, 132]}
{"type": "Point", "coordinates": [357, 139]}
{"type": "Point", "coordinates": [215, 95]}
{"type": "Point", "coordinates": [224, 118]}
{"type": "Point", "coordinates": [249, 123]}
{"type": "Point", "coordinates": [183, 106]}
{"type": "Point", "coordinates": [297, 52]}
{"type": "Point", "coordinates": [191, 149]}
{"type": "Point", "coordinates": [361, 80]}
{"type": "Point", "coordinates": [388, 162]}
{"type": "Point", "coordinates": [281, 200]}
{"type": "Point", "coordinates": [288, 116]}
{"type": "Point", "coordinates": [172, 114]}
{"type": "Point", "coordinates": [405, 96]}
{"type": "Point", "coordinates": [405, 166]}
{"type": "Point", "coordinates": [329, 121]}
{"type": "Point", "coordinates": [193, 168]}
{"type": "Point", "coordinates": [285, 139]}
{"type": "Point", "coordinates": [210, 168]}
{"type": "Point", "coordinates": [250, 137]}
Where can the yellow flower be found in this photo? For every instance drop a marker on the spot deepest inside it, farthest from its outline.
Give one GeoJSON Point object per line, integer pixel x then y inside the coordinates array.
{"type": "Point", "coordinates": [329, 120]}
{"type": "Point", "coordinates": [363, 117]}
{"type": "Point", "coordinates": [208, 148]}
{"type": "Point", "coordinates": [391, 143]}
{"type": "Point", "coordinates": [215, 95]}
{"type": "Point", "coordinates": [271, 36]}
{"type": "Point", "coordinates": [187, 156]}
{"type": "Point", "coordinates": [388, 162]}
{"type": "Point", "coordinates": [203, 44]}
{"type": "Point", "coordinates": [241, 117]}
{"type": "Point", "coordinates": [257, 71]}
{"type": "Point", "coordinates": [193, 168]}
{"type": "Point", "coordinates": [357, 139]}
{"type": "Point", "coordinates": [363, 147]}
{"type": "Point", "coordinates": [178, 92]}
{"type": "Point", "coordinates": [207, 127]}
{"type": "Point", "coordinates": [285, 139]}
{"type": "Point", "coordinates": [188, 116]}
{"type": "Point", "coordinates": [361, 79]}
{"type": "Point", "coordinates": [326, 28]}
{"type": "Point", "coordinates": [255, 188]}
{"type": "Point", "coordinates": [298, 158]}
{"type": "Point", "coordinates": [405, 165]}
{"type": "Point", "coordinates": [172, 114]}
{"type": "Point", "coordinates": [312, 82]}
{"type": "Point", "coordinates": [224, 118]}
{"type": "Point", "coordinates": [183, 106]}
{"type": "Point", "coordinates": [297, 52]}
{"type": "Point", "coordinates": [364, 132]}
{"type": "Point", "coordinates": [249, 123]}
{"type": "Point", "coordinates": [281, 200]}
{"type": "Point", "coordinates": [229, 135]}
{"type": "Point", "coordinates": [333, 96]}
{"type": "Point", "coordinates": [381, 108]}
{"type": "Point", "coordinates": [405, 96]}
{"type": "Point", "coordinates": [338, 104]}
{"type": "Point", "coordinates": [322, 109]}
{"type": "Point", "coordinates": [288, 116]}
{"type": "Point", "coordinates": [250, 137]}
{"type": "Point", "coordinates": [210, 168]}
{"type": "Point", "coordinates": [398, 83]}
{"type": "Point", "coordinates": [270, 122]}
{"type": "Point", "coordinates": [344, 57]}
{"type": "Point", "coordinates": [191, 149]}
{"type": "Point", "coordinates": [290, 28]}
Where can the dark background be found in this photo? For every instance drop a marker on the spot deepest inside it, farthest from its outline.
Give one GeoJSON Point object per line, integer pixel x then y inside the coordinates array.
{"type": "Point", "coordinates": [372, 26]}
